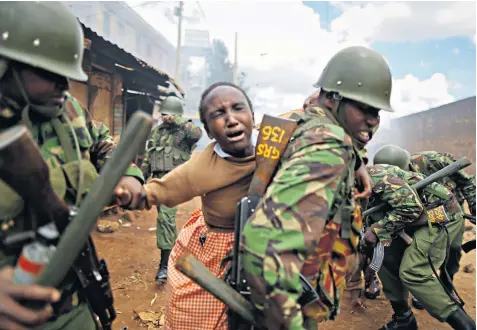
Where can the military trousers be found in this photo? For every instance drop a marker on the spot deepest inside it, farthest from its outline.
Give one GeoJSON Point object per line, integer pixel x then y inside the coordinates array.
{"type": "Point", "coordinates": [166, 230]}
{"type": "Point", "coordinates": [455, 254]}
{"type": "Point", "coordinates": [407, 269]}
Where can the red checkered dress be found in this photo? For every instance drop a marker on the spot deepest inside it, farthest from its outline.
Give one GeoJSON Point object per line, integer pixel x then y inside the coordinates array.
{"type": "Point", "coordinates": [189, 306]}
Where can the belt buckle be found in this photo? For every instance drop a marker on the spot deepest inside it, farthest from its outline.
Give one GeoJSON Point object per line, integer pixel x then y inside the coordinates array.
{"type": "Point", "coordinates": [437, 215]}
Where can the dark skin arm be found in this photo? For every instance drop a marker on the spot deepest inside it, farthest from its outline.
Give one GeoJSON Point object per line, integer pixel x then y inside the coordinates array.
{"type": "Point", "coordinates": [129, 192]}
{"type": "Point", "coordinates": [364, 178]}
{"type": "Point", "coordinates": [370, 236]}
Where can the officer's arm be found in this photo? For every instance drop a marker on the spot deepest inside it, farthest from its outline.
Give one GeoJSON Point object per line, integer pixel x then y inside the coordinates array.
{"type": "Point", "coordinates": [286, 228]}
{"type": "Point", "coordinates": [103, 146]}
{"type": "Point", "coordinates": [403, 200]}
{"type": "Point", "coordinates": [465, 182]}
{"type": "Point", "coordinates": [193, 133]}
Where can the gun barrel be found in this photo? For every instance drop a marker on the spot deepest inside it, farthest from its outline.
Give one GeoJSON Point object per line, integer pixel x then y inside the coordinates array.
{"type": "Point", "coordinates": [469, 216]}
{"type": "Point", "coordinates": [76, 234]}
{"type": "Point", "coordinates": [194, 269]}
{"type": "Point", "coordinates": [446, 171]}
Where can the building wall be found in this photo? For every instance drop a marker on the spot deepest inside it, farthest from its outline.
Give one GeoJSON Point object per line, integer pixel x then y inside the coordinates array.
{"type": "Point", "coordinates": [80, 92]}
{"type": "Point", "coordinates": [116, 22]}
{"type": "Point", "coordinates": [449, 128]}
{"type": "Point", "coordinates": [104, 101]}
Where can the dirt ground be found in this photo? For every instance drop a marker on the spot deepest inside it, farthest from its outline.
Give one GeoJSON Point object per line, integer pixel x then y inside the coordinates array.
{"type": "Point", "coordinates": [133, 258]}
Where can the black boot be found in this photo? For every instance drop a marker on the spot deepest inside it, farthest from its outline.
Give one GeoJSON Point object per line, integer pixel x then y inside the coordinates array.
{"type": "Point", "coordinates": [161, 275]}
{"type": "Point", "coordinates": [416, 303]}
{"type": "Point", "coordinates": [403, 318]}
{"type": "Point", "coordinates": [460, 320]}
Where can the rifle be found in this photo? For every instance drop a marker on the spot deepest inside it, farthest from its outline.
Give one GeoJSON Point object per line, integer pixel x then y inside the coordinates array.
{"type": "Point", "coordinates": [446, 171]}
{"type": "Point", "coordinates": [274, 136]}
{"type": "Point", "coordinates": [22, 167]}
{"type": "Point", "coordinates": [470, 217]}
{"type": "Point", "coordinates": [470, 245]}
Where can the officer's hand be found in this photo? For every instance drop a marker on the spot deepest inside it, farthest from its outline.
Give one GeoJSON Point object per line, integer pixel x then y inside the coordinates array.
{"type": "Point", "coordinates": [365, 179]}
{"type": "Point", "coordinates": [129, 192]}
{"type": "Point", "coordinates": [370, 236]}
{"type": "Point", "coordinates": [13, 316]}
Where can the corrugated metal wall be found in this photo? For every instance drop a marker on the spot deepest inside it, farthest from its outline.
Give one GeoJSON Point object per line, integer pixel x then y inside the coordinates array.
{"type": "Point", "coordinates": [449, 128]}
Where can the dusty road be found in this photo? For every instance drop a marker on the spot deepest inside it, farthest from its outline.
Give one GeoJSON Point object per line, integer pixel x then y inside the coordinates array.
{"type": "Point", "coordinates": [133, 258]}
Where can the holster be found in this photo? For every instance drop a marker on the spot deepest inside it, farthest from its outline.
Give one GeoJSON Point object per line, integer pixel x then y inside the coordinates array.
{"type": "Point", "coordinates": [234, 274]}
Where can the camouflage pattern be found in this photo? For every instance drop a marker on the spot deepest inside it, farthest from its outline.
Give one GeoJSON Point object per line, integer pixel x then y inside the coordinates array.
{"type": "Point", "coordinates": [406, 268]}
{"type": "Point", "coordinates": [181, 136]}
{"type": "Point", "coordinates": [460, 183]}
{"type": "Point", "coordinates": [95, 146]}
{"type": "Point", "coordinates": [311, 193]}
{"type": "Point", "coordinates": [393, 186]}
{"type": "Point", "coordinates": [463, 187]}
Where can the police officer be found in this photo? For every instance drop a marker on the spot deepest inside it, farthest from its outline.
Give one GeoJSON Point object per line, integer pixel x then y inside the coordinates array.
{"type": "Point", "coordinates": [41, 47]}
{"type": "Point", "coordinates": [406, 268]}
{"type": "Point", "coordinates": [461, 184]}
{"type": "Point", "coordinates": [310, 203]}
{"type": "Point", "coordinates": [170, 145]}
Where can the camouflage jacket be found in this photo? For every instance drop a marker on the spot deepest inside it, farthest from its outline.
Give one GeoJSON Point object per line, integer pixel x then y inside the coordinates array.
{"type": "Point", "coordinates": [315, 175]}
{"type": "Point", "coordinates": [182, 135]}
{"type": "Point", "coordinates": [93, 139]}
{"type": "Point", "coordinates": [393, 186]}
{"type": "Point", "coordinates": [95, 146]}
{"type": "Point", "coordinates": [460, 183]}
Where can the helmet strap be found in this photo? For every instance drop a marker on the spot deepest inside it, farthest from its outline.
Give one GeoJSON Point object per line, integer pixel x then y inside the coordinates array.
{"type": "Point", "coordinates": [47, 111]}
{"type": "Point", "coordinates": [339, 113]}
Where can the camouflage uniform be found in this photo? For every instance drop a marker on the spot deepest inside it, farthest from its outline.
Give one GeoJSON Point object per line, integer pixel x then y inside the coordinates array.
{"type": "Point", "coordinates": [356, 262]}
{"type": "Point", "coordinates": [307, 221]}
{"type": "Point", "coordinates": [312, 189]}
{"type": "Point", "coordinates": [406, 268]}
{"type": "Point", "coordinates": [462, 186]}
{"type": "Point", "coordinates": [96, 146]}
{"type": "Point", "coordinates": [169, 146]}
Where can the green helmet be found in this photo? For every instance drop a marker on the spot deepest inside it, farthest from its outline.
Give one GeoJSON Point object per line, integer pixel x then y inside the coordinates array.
{"type": "Point", "coordinates": [171, 105]}
{"type": "Point", "coordinates": [42, 34]}
{"type": "Point", "coordinates": [360, 74]}
{"type": "Point", "coordinates": [391, 154]}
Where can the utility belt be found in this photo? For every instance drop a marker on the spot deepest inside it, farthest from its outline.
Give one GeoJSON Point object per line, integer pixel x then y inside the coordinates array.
{"type": "Point", "coordinates": [432, 216]}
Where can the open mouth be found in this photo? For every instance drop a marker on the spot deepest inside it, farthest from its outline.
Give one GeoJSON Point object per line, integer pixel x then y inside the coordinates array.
{"type": "Point", "coordinates": [235, 136]}
{"type": "Point", "coordinates": [58, 100]}
{"type": "Point", "coordinates": [364, 136]}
